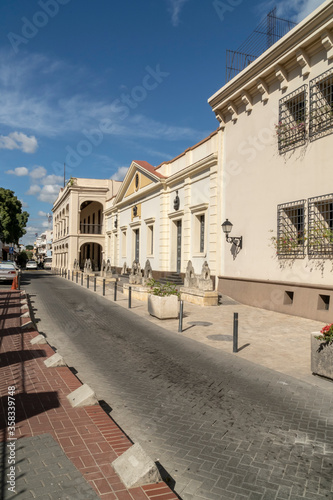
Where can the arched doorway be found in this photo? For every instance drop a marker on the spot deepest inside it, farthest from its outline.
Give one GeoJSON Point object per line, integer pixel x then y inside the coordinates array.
{"type": "Point", "coordinates": [92, 251]}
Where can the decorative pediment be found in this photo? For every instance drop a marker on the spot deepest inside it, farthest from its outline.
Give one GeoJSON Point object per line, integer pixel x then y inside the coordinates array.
{"type": "Point", "coordinates": [138, 181]}
{"type": "Point", "coordinates": [140, 175]}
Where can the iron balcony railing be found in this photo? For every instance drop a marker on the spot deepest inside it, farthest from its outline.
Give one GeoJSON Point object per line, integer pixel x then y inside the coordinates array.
{"type": "Point", "coordinates": [91, 228]}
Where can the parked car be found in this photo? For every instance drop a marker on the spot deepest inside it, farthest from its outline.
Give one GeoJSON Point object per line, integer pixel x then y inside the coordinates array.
{"type": "Point", "coordinates": [31, 264]}
{"type": "Point", "coordinates": [48, 263]}
{"type": "Point", "coordinates": [8, 271]}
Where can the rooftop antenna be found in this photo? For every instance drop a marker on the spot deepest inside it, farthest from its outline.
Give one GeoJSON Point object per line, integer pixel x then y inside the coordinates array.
{"type": "Point", "coordinates": [268, 32]}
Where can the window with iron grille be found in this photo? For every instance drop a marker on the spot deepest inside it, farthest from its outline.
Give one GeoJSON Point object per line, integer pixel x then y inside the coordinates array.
{"type": "Point", "coordinates": [291, 229]}
{"type": "Point", "coordinates": [320, 229]}
{"type": "Point", "coordinates": [321, 105]}
{"type": "Point", "coordinates": [291, 129]}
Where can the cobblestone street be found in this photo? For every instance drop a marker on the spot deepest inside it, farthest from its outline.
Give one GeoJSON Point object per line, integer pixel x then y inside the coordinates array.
{"type": "Point", "coordinates": [223, 427]}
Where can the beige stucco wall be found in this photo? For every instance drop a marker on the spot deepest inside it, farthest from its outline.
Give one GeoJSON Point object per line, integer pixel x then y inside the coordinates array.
{"type": "Point", "coordinates": [257, 177]}
{"type": "Point", "coordinates": [67, 215]}
{"type": "Point", "coordinates": [263, 178]}
{"type": "Point", "coordinates": [191, 176]}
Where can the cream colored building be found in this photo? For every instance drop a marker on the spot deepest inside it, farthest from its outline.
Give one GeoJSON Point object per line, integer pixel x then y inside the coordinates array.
{"type": "Point", "coordinates": [277, 181]}
{"type": "Point", "coordinates": [169, 213]}
{"type": "Point", "coordinates": [267, 169]}
{"type": "Point", "coordinates": [78, 222]}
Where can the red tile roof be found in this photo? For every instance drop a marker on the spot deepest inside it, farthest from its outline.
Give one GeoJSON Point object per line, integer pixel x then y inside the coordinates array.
{"type": "Point", "coordinates": [150, 168]}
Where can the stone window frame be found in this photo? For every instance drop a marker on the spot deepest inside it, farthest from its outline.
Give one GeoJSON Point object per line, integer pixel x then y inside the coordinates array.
{"type": "Point", "coordinates": [123, 241]}
{"type": "Point", "coordinates": [197, 211]}
{"type": "Point", "coordinates": [150, 225]}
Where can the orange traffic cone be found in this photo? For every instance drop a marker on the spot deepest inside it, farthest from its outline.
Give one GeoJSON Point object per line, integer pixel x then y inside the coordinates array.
{"type": "Point", "coordinates": [14, 284]}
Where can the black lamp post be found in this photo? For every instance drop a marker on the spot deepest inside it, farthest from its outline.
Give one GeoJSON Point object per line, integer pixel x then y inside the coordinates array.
{"type": "Point", "coordinates": [236, 240]}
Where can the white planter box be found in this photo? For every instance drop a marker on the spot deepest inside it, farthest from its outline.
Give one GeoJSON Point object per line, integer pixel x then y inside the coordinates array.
{"type": "Point", "coordinates": [163, 307]}
{"type": "Point", "coordinates": [321, 362]}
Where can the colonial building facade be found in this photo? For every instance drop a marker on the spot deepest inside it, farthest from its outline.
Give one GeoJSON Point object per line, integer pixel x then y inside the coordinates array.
{"type": "Point", "coordinates": [168, 214]}
{"type": "Point", "coordinates": [277, 182]}
{"type": "Point", "coordinates": [266, 170]}
{"type": "Point", "coordinates": [78, 222]}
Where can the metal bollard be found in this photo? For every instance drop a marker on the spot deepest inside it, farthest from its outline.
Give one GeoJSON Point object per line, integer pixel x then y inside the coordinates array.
{"type": "Point", "coordinates": [72, 275]}
{"type": "Point", "coordinates": [19, 282]}
{"type": "Point", "coordinates": [77, 276]}
{"type": "Point", "coordinates": [87, 280]}
{"type": "Point", "coordinates": [103, 286]}
{"type": "Point", "coordinates": [81, 279]}
{"type": "Point", "coordinates": [115, 291]}
{"type": "Point", "coordinates": [69, 274]}
{"type": "Point", "coordinates": [181, 312]}
{"type": "Point", "coordinates": [129, 297]}
{"type": "Point", "coordinates": [235, 333]}
{"type": "Point", "coordinates": [95, 284]}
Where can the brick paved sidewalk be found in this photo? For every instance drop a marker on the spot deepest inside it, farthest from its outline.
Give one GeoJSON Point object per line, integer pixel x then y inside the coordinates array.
{"type": "Point", "coordinates": [61, 452]}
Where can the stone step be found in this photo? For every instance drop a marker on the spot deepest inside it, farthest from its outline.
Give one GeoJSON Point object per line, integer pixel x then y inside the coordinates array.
{"type": "Point", "coordinates": [173, 278]}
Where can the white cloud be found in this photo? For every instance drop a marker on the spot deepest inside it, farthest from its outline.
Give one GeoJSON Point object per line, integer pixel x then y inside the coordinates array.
{"type": "Point", "coordinates": [38, 172]}
{"type": "Point", "coordinates": [24, 204]}
{"type": "Point", "coordinates": [18, 171]}
{"type": "Point", "coordinates": [31, 229]}
{"type": "Point", "coordinates": [45, 187]}
{"type": "Point", "coordinates": [45, 224]}
{"type": "Point", "coordinates": [120, 174]}
{"type": "Point", "coordinates": [175, 6]}
{"type": "Point", "coordinates": [52, 179]}
{"type": "Point", "coordinates": [33, 190]}
{"type": "Point", "coordinates": [141, 126]}
{"type": "Point", "coordinates": [18, 140]}
{"type": "Point", "coordinates": [49, 193]}
{"type": "Point", "coordinates": [42, 214]}
{"type": "Point", "coordinates": [294, 10]}
{"type": "Point", "coordinates": [48, 111]}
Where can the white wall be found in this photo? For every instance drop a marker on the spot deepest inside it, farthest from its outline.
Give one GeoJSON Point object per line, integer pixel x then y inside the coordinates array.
{"type": "Point", "coordinates": [265, 178]}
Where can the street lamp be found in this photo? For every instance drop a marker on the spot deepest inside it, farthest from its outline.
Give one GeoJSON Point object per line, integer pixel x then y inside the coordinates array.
{"type": "Point", "coordinates": [236, 240]}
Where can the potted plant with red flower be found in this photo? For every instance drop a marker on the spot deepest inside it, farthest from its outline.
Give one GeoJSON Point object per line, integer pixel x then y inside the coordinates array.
{"type": "Point", "coordinates": [322, 352]}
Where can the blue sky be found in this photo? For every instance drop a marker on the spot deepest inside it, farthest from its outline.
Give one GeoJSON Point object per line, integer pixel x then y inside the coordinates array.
{"type": "Point", "coordinates": [97, 84]}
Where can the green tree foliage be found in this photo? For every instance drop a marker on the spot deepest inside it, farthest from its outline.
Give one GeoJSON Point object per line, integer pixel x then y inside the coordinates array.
{"type": "Point", "coordinates": [12, 219]}
{"type": "Point", "coordinates": [22, 258]}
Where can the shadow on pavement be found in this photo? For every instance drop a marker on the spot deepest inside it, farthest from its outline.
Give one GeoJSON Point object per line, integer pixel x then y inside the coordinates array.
{"type": "Point", "coordinates": [14, 357]}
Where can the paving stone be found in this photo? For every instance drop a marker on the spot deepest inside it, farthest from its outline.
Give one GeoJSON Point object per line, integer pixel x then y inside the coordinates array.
{"type": "Point", "coordinates": [168, 391]}
{"type": "Point", "coordinates": [43, 483]}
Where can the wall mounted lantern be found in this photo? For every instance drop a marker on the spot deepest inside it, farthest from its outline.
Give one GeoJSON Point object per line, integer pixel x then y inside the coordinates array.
{"type": "Point", "coordinates": [176, 202]}
{"type": "Point", "coordinates": [236, 240]}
